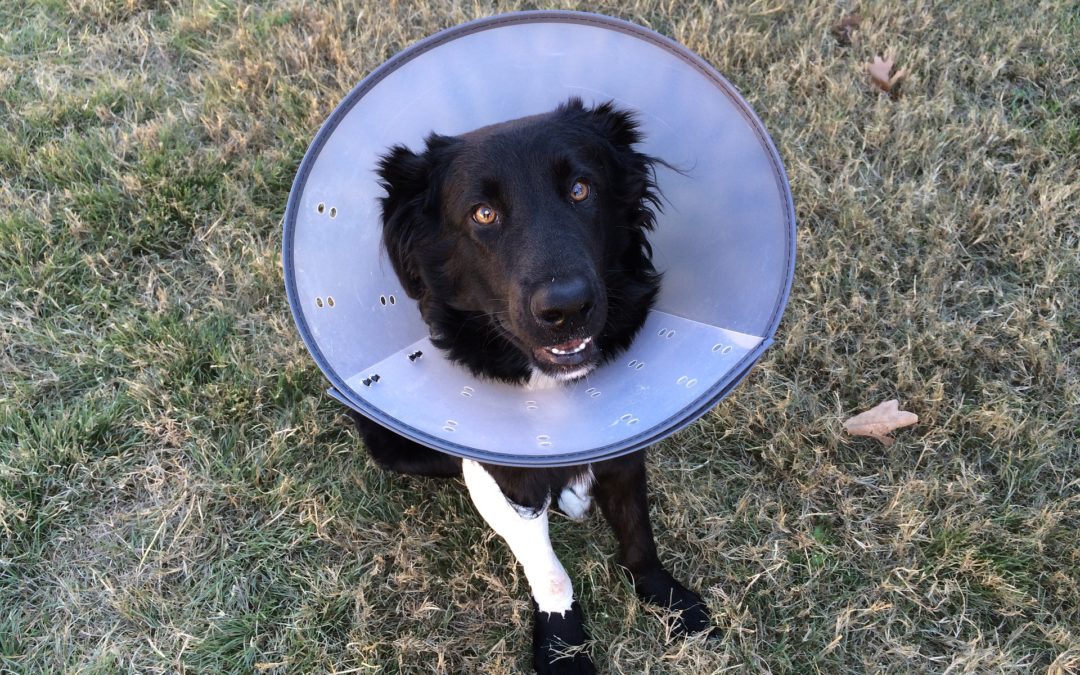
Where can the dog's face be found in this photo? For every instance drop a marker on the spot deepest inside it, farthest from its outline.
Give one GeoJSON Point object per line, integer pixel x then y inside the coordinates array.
{"type": "Point", "coordinates": [531, 231]}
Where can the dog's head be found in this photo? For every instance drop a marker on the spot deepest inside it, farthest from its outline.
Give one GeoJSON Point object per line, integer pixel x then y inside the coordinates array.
{"type": "Point", "coordinates": [524, 242]}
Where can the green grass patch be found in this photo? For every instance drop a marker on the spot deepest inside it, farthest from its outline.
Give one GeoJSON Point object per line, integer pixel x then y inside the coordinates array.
{"type": "Point", "coordinates": [176, 492]}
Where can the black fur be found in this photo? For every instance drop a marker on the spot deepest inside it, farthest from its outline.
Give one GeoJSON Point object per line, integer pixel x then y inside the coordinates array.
{"type": "Point", "coordinates": [559, 642]}
{"type": "Point", "coordinates": [477, 288]}
{"type": "Point", "coordinates": [465, 278]}
{"type": "Point", "coordinates": [397, 453]}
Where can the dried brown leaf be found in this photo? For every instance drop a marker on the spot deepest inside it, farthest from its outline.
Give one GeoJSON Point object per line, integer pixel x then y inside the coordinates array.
{"type": "Point", "coordinates": [881, 73]}
{"type": "Point", "coordinates": [843, 30]}
{"type": "Point", "coordinates": [880, 420]}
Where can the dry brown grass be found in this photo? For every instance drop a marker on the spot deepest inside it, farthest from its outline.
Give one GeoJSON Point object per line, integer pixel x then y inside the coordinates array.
{"type": "Point", "coordinates": [177, 495]}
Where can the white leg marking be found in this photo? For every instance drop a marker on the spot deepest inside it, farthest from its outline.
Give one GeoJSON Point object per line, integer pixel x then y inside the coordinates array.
{"type": "Point", "coordinates": [576, 498]}
{"type": "Point", "coordinates": [527, 538]}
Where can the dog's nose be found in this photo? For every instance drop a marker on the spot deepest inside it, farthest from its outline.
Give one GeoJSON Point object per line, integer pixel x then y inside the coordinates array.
{"type": "Point", "coordinates": [562, 301]}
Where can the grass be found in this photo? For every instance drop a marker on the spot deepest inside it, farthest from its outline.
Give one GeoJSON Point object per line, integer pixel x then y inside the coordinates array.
{"type": "Point", "coordinates": [177, 494]}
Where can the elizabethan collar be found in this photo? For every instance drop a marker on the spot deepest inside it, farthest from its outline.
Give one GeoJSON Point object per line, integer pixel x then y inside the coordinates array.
{"type": "Point", "coordinates": [725, 240]}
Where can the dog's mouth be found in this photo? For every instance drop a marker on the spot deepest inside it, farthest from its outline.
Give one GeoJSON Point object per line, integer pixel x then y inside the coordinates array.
{"type": "Point", "coordinates": [569, 353]}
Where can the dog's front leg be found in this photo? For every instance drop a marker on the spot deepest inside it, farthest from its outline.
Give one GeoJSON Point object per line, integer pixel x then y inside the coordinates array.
{"type": "Point", "coordinates": [621, 491]}
{"type": "Point", "coordinates": [558, 633]}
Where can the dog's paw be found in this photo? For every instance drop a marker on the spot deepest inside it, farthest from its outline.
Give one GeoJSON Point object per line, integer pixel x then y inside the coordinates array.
{"type": "Point", "coordinates": [690, 613]}
{"type": "Point", "coordinates": [575, 506]}
{"type": "Point", "coordinates": [559, 643]}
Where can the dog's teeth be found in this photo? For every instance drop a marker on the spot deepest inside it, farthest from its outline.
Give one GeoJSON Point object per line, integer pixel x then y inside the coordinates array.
{"type": "Point", "coordinates": [565, 352]}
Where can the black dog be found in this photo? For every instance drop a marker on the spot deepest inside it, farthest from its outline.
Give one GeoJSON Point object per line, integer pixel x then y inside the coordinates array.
{"type": "Point", "coordinates": [524, 244]}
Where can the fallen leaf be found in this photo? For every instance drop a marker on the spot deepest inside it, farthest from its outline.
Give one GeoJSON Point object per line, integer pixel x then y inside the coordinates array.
{"type": "Point", "coordinates": [880, 420]}
{"type": "Point", "coordinates": [880, 71]}
{"type": "Point", "coordinates": [843, 30]}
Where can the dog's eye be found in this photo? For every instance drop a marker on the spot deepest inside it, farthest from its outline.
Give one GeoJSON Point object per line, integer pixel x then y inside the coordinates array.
{"type": "Point", "coordinates": [579, 191]}
{"type": "Point", "coordinates": [484, 214]}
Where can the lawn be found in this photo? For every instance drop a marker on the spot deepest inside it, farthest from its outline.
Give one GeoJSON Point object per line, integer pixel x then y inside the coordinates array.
{"type": "Point", "coordinates": [177, 494]}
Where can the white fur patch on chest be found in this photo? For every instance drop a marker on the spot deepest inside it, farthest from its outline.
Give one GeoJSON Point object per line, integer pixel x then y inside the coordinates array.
{"type": "Point", "coordinates": [541, 380]}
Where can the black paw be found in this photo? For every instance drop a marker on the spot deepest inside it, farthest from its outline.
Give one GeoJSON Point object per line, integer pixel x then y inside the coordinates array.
{"type": "Point", "coordinates": [559, 643]}
{"type": "Point", "coordinates": [660, 588]}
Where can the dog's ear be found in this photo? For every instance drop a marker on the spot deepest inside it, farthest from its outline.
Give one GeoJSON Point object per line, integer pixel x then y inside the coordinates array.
{"type": "Point", "coordinates": [410, 207]}
{"type": "Point", "coordinates": [635, 178]}
{"type": "Point", "coordinates": [618, 126]}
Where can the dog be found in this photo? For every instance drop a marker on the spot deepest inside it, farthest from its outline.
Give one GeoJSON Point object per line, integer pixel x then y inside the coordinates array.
{"type": "Point", "coordinates": [524, 245]}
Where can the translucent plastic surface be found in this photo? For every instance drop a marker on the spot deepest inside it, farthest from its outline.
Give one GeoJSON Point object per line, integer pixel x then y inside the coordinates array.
{"type": "Point", "coordinates": [725, 240]}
